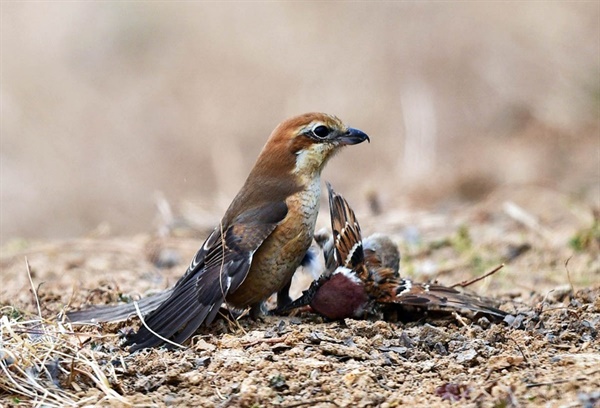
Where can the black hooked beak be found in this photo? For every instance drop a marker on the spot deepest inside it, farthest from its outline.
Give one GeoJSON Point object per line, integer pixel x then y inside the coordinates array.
{"type": "Point", "coordinates": [353, 136]}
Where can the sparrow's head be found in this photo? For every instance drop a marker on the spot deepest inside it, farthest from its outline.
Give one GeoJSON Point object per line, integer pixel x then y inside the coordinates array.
{"type": "Point", "coordinates": [382, 252]}
{"type": "Point", "coordinates": [303, 144]}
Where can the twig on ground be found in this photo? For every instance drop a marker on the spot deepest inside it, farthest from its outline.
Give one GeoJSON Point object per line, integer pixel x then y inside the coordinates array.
{"type": "Point", "coordinates": [466, 283]}
{"type": "Point", "coordinates": [520, 350]}
{"type": "Point", "coordinates": [313, 402]}
{"type": "Point", "coordinates": [569, 274]}
{"type": "Point", "coordinates": [33, 289]}
{"type": "Point", "coordinates": [561, 381]}
{"type": "Point", "coordinates": [272, 340]}
{"type": "Point", "coordinates": [462, 322]}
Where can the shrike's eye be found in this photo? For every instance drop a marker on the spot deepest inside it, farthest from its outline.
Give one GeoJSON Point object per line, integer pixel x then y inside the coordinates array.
{"type": "Point", "coordinates": [321, 131]}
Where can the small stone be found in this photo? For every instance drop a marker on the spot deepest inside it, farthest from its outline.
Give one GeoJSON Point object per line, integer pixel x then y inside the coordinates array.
{"type": "Point", "coordinates": [466, 355]}
{"type": "Point", "coordinates": [170, 400]}
{"type": "Point", "coordinates": [349, 378]}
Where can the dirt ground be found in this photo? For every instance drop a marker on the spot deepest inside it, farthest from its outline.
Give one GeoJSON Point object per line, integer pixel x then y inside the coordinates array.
{"type": "Point", "coordinates": [547, 353]}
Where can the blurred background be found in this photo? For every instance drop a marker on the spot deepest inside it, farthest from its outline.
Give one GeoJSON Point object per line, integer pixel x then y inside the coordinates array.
{"type": "Point", "coordinates": [108, 105]}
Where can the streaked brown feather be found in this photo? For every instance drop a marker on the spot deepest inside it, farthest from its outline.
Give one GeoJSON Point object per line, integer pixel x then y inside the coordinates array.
{"type": "Point", "coordinates": [439, 297]}
{"type": "Point", "coordinates": [347, 240]}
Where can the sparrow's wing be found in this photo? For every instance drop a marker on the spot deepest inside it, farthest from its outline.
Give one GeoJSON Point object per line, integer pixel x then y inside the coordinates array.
{"type": "Point", "coordinates": [117, 313]}
{"type": "Point", "coordinates": [438, 297]}
{"type": "Point", "coordinates": [219, 267]}
{"type": "Point", "coordinates": [346, 232]}
{"type": "Point", "coordinates": [349, 252]}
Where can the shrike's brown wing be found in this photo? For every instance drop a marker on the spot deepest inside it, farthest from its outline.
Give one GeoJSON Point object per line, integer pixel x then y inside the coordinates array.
{"type": "Point", "coordinates": [219, 267]}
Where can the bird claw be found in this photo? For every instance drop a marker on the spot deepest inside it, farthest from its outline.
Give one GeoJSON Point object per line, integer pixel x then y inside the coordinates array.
{"type": "Point", "coordinates": [257, 312]}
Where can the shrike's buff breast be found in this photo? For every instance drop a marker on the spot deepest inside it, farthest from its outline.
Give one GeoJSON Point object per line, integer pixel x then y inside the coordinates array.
{"type": "Point", "coordinates": [279, 256]}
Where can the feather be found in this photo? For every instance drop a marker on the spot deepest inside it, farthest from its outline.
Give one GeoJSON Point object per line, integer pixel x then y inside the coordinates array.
{"type": "Point", "coordinates": [219, 267]}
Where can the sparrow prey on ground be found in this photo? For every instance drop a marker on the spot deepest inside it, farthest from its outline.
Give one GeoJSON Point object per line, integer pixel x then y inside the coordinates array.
{"type": "Point", "coordinates": [364, 279]}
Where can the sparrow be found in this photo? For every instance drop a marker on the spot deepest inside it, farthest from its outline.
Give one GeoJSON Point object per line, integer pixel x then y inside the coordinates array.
{"type": "Point", "coordinates": [379, 250]}
{"type": "Point", "coordinates": [263, 236]}
{"type": "Point", "coordinates": [366, 281]}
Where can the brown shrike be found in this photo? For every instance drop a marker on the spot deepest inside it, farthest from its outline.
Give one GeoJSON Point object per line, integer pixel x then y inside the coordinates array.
{"type": "Point", "coordinates": [263, 236]}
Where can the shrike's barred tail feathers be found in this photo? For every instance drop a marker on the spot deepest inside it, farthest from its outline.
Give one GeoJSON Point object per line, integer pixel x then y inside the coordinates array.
{"type": "Point", "coordinates": [117, 313]}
